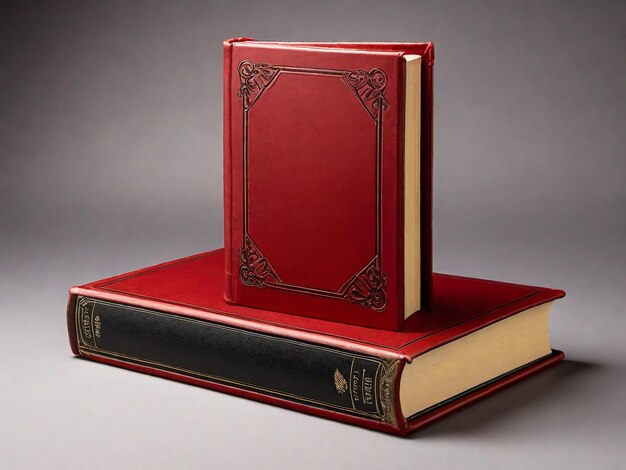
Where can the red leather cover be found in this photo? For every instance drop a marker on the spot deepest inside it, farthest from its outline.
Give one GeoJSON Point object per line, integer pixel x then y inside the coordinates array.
{"type": "Point", "coordinates": [192, 287]}
{"type": "Point", "coordinates": [313, 178]}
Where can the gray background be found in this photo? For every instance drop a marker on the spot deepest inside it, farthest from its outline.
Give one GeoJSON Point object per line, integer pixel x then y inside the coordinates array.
{"type": "Point", "coordinates": [110, 160]}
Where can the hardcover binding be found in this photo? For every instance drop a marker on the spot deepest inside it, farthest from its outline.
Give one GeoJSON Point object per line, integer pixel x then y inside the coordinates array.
{"type": "Point", "coordinates": [370, 292]}
{"type": "Point", "coordinates": [427, 51]}
{"type": "Point", "coordinates": [327, 378]}
{"type": "Point", "coordinates": [179, 291]}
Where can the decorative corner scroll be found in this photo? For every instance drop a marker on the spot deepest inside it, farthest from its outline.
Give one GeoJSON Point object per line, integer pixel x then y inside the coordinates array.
{"type": "Point", "coordinates": [255, 270]}
{"type": "Point", "coordinates": [367, 288]}
{"type": "Point", "coordinates": [254, 79]}
{"type": "Point", "coordinates": [387, 390]}
{"type": "Point", "coordinates": [369, 88]}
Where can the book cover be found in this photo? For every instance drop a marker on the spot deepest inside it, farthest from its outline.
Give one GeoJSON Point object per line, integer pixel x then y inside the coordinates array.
{"type": "Point", "coordinates": [315, 184]}
{"type": "Point", "coordinates": [171, 321]}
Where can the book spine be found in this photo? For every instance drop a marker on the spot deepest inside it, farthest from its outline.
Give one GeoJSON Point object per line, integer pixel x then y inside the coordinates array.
{"type": "Point", "coordinates": [311, 377]}
{"type": "Point", "coordinates": [426, 177]}
{"type": "Point", "coordinates": [227, 142]}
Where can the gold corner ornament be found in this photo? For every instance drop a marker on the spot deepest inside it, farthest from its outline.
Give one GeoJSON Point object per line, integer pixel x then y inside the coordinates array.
{"type": "Point", "coordinates": [254, 79]}
{"type": "Point", "coordinates": [387, 390]}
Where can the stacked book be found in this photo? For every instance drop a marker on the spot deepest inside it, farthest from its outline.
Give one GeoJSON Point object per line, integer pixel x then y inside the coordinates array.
{"type": "Point", "coordinates": [323, 299]}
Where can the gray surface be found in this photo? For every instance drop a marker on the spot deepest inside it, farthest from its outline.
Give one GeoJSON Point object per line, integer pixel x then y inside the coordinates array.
{"type": "Point", "coordinates": [110, 120]}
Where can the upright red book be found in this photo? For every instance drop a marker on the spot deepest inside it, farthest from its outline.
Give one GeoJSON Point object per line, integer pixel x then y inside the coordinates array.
{"type": "Point", "coordinates": [327, 179]}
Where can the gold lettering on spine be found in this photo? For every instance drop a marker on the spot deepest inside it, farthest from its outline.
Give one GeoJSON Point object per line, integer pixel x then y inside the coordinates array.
{"type": "Point", "coordinates": [97, 325]}
{"type": "Point", "coordinates": [86, 323]}
{"type": "Point", "coordinates": [362, 388]}
{"type": "Point", "coordinates": [368, 386]}
{"type": "Point", "coordinates": [88, 326]}
{"type": "Point", "coordinates": [355, 380]}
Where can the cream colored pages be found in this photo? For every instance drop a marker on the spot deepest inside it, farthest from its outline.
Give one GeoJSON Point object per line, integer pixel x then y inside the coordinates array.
{"type": "Point", "coordinates": [412, 253]}
{"type": "Point", "coordinates": [458, 366]}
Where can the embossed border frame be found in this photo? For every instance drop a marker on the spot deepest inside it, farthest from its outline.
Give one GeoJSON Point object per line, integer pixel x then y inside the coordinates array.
{"type": "Point", "coordinates": [367, 286]}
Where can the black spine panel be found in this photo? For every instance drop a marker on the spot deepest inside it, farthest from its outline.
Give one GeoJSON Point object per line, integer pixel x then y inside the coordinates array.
{"type": "Point", "coordinates": [294, 370]}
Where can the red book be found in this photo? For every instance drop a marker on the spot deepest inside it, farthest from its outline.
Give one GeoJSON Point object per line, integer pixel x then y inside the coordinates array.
{"type": "Point", "coordinates": [327, 179]}
{"type": "Point", "coordinates": [171, 321]}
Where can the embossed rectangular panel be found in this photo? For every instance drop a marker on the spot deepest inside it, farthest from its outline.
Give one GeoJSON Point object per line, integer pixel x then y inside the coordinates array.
{"type": "Point", "coordinates": [313, 178]}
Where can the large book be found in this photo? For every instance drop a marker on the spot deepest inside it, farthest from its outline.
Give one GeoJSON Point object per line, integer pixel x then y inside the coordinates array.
{"type": "Point", "coordinates": [327, 178]}
{"type": "Point", "coordinates": [171, 321]}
